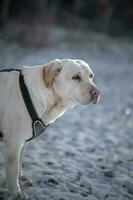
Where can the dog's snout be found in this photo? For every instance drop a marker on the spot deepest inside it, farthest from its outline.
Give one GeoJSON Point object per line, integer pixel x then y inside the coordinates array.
{"type": "Point", "coordinates": [94, 91]}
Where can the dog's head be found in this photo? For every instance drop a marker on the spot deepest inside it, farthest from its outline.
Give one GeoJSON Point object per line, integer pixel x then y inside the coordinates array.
{"type": "Point", "coordinates": [71, 80]}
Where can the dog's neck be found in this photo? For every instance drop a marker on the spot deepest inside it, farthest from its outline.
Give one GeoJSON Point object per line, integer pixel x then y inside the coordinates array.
{"type": "Point", "coordinates": [48, 104]}
{"type": "Point", "coordinates": [54, 109]}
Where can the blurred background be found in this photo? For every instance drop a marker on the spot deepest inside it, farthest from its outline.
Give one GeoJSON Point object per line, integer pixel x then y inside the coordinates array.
{"type": "Point", "coordinates": [26, 21]}
{"type": "Point", "coordinates": [87, 153]}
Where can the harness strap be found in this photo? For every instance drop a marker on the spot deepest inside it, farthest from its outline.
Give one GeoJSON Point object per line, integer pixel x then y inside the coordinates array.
{"type": "Point", "coordinates": [37, 124]}
{"type": "Point", "coordinates": [10, 70]}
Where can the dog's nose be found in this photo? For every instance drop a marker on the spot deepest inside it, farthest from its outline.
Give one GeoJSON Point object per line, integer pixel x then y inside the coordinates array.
{"type": "Point", "coordinates": [94, 92]}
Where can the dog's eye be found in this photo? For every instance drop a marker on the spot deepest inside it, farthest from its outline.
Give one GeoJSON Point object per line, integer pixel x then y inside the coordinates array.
{"type": "Point", "coordinates": [76, 77]}
{"type": "Point", "coordinates": [91, 75]}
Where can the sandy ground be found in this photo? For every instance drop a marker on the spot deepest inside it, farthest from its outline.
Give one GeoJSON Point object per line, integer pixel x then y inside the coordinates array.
{"type": "Point", "coordinates": [88, 153]}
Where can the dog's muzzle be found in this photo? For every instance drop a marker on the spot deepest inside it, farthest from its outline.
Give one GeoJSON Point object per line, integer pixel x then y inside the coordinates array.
{"type": "Point", "coordinates": [95, 94]}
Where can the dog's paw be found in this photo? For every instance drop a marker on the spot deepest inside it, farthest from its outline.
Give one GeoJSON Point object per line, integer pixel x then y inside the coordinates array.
{"type": "Point", "coordinates": [21, 196]}
{"type": "Point", "coordinates": [27, 181]}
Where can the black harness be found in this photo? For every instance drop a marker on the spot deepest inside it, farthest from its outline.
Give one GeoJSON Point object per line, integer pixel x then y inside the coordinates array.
{"type": "Point", "coordinates": [38, 126]}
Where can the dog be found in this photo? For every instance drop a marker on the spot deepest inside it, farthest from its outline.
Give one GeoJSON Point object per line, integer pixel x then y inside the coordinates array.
{"type": "Point", "coordinates": [53, 87]}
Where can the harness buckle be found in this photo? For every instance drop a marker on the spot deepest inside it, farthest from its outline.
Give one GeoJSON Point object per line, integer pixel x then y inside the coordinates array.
{"type": "Point", "coordinates": [38, 127]}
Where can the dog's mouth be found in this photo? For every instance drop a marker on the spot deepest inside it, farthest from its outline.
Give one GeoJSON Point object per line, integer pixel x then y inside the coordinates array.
{"type": "Point", "coordinates": [95, 100]}
{"type": "Point", "coordinates": [84, 100]}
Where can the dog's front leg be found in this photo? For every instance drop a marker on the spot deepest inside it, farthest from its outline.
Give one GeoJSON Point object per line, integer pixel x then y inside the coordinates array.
{"type": "Point", "coordinates": [22, 177]}
{"type": "Point", "coordinates": [12, 169]}
{"type": "Point", "coordinates": [20, 162]}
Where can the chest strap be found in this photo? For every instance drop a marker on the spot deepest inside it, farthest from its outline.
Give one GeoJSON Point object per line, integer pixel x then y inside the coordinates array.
{"type": "Point", "coordinates": [38, 126]}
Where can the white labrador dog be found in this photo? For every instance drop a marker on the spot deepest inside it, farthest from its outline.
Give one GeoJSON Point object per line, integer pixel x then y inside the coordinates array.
{"type": "Point", "coordinates": [53, 87]}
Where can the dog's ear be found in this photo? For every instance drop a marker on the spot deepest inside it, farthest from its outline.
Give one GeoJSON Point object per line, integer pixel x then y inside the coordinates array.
{"type": "Point", "coordinates": [50, 71]}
